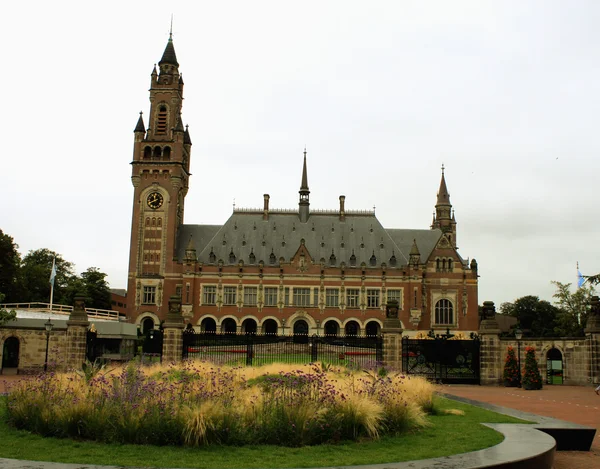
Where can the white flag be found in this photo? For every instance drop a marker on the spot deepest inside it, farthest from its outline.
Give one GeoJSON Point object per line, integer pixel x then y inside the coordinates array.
{"type": "Point", "coordinates": [53, 272]}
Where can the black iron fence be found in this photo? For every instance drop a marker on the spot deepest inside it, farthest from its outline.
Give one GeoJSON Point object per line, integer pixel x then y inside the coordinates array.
{"type": "Point", "coordinates": [261, 349]}
{"type": "Point", "coordinates": [442, 360]}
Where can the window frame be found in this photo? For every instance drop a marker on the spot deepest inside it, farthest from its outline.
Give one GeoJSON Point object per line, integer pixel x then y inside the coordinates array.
{"type": "Point", "coordinates": [373, 298]}
{"type": "Point", "coordinates": [229, 295]}
{"type": "Point", "coordinates": [444, 311]}
{"type": "Point", "coordinates": [250, 296]}
{"type": "Point", "coordinates": [353, 298]}
{"type": "Point", "coordinates": [301, 296]}
{"type": "Point", "coordinates": [149, 295]}
{"type": "Point", "coordinates": [270, 293]}
{"type": "Point", "coordinates": [332, 297]}
{"type": "Point", "coordinates": [207, 292]}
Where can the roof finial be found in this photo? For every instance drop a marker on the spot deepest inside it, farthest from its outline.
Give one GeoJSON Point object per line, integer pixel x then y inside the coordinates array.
{"type": "Point", "coordinates": [305, 150]}
{"type": "Point", "coordinates": [234, 204]}
{"type": "Point", "coordinates": [171, 29]}
{"type": "Point", "coordinates": [442, 169]}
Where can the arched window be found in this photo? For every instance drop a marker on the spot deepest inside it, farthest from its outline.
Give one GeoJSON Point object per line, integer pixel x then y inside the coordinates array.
{"type": "Point", "coordinates": [450, 264]}
{"type": "Point", "coordinates": [353, 259]}
{"type": "Point", "coordinates": [208, 326]}
{"type": "Point", "coordinates": [166, 153]}
{"type": "Point", "coordinates": [161, 120]}
{"type": "Point", "coordinates": [332, 328]}
{"type": "Point", "coordinates": [332, 259]}
{"type": "Point", "coordinates": [156, 153]}
{"type": "Point", "coordinates": [212, 258]}
{"type": "Point", "coordinates": [147, 325]}
{"type": "Point", "coordinates": [148, 221]}
{"type": "Point", "coordinates": [252, 257]}
{"type": "Point", "coordinates": [443, 264]}
{"type": "Point", "coordinates": [231, 257]}
{"type": "Point", "coordinates": [444, 312]}
{"type": "Point", "coordinates": [153, 222]}
{"type": "Point", "coordinates": [372, 329]}
{"type": "Point", "coordinates": [437, 264]}
{"type": "Point", "coordinates": [272, 258]}
{"type": "Point", "coordinates": [393, 261]}
{"type": "Point", "coordinates": [159, 222]}
{"type": "Point", "coordinates": [147, 152]}
{"type": "Point", "coordinates": [352, 328]}
{"type": "Point", "coordinates": [373, 260]}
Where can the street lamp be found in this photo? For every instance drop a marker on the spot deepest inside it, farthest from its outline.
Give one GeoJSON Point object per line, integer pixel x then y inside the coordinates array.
{"type": "Point", "coordinates": [519, 336]}
{"type": "Point", "coordinates": [48, 325]}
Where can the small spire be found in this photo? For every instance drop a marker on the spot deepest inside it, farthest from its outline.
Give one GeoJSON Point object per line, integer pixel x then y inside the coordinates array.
{"type": "Point", "coordinates": [179, 124]}
{"type": "Point", "coordinates": [140, 124]}
{"type": "Point", "coordinates": [171, 29]}
{"type": "Point", "coordinates": [414, 251]}
{"type": "Point", "coordinates": [169, 56]}
{"type": "Point", "coordinates": [190, 246]}
{"type": "Point", "coordinates": [186, 136]}
{"type": "Point", "coordinates": [443, 197]}
{"type": "Point", "coordinates": [304, 184]}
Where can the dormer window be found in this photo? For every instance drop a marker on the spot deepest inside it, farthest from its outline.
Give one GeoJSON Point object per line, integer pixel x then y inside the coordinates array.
{"type": "Point", "coordinates": [272, 258]}
{"type": "Point", "coordinates": [231, 257]}
{"type": "Point", "coordinates": [252, 257]}
{"type": "Point", "coordinates": [332, 259]}
{"type": "Point", "coordinates": [373, 260]}
{"type": "Point", "coordinates": [211, 257]}
{"type": "Point", "coordinates": [353, 259]}
{"type": "Point", "coordinates": [393, 260]}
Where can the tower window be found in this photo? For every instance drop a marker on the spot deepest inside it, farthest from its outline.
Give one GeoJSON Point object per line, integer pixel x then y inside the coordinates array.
{"type": "Point", "coordinates": [147, 153]}
{"type": "Point", "coordinates": [156, 153]}
{"type": "Point", "coordinates": [166, 153]}
{"type": "Point", "coordinates": [149, 296]}
{"type": "Point", "coordinates": [161, 123]}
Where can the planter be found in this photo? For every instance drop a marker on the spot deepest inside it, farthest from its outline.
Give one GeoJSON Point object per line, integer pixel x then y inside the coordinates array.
{"type": "Point", "coordinates": [510, 384]}
{"type": "Point", "coordinates": [531, 386]}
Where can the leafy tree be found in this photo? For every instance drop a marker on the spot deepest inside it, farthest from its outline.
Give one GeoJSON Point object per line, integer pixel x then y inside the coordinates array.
{"type": "Point", "coordinates": [538, 318]}
{"type": "Point", "coordinates": [93, 285]}
{"type": "Point", "coordinates": [35, 272]}
{"type": "Point", "coordinates": [10, 261]}
{"type": "Point", "coordinates": [592, 279]}
{"type": "Point", "coordinates": [574, 309]}
{"type": "Point", "coordinates": [6, 315]}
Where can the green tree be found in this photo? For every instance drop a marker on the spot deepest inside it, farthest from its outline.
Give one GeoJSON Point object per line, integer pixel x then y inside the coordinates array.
{"type": "Point", "coordinates": [10, 261]}
{"type": "Point", "coordinates": [538, 318]}
{"type": "Point", "coordinates": [574, 309]}
{"type": "Point", "coordinates": [511, 369]}
{"type": "Point", "coordinates": [592, 279]}
{"type": "Point", "coordinates": [6, 315]}
{"type": "Point", "coordinates": [532, 378]}
{"type": "Point", "coordinates": [35, 274]}
{"type": "Point", "coordinates": [93, 285]}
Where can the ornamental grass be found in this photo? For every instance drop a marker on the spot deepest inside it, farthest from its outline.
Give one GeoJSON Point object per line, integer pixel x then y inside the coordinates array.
{"type": "Point", "coordinates": [199, 404]}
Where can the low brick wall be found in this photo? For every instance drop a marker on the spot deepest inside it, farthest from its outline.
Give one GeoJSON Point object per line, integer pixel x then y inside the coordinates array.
{"type": "Point", "coordinates": [32, 348]}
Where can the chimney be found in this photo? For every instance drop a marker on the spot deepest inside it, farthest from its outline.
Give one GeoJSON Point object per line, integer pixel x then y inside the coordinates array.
{"type": "Point", "coordinates": [266, 207]}
{"type": "Point", "coordinates": [342, 210]}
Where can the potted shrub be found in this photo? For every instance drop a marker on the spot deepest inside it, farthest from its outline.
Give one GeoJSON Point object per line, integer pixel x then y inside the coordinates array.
{"type": "Point", "coordinates": [532, 378]}
{"type": "Point", "coordinates": [511, 369]}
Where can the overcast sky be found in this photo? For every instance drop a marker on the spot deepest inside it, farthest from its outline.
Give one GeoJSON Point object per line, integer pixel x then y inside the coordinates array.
{"type": "Point", "coordinates": [505, 94]}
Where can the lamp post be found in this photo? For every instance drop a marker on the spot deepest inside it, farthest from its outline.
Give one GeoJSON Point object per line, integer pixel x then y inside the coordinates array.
{"type": "Point", "coordinates": [519, 336]}
{"type": "Point", "coordinates": [48, 325]}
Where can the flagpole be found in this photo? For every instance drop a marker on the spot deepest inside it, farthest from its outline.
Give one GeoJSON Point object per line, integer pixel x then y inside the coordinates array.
{"type": "Point", "coordinates": [52, 275]}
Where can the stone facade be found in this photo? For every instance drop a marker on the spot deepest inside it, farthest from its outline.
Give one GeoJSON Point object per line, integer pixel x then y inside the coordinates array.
{"type": "Point", "coordinates": [32, 348]}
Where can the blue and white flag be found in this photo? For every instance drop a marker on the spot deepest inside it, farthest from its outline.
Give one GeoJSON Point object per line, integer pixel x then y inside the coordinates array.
{"type": "Point", "coordinates": [580, 279]}
{"type": "Point", "coordinates": [53, 272]}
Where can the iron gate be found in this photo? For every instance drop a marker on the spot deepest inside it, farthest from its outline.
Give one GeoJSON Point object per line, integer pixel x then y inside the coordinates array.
{"type": "Point", "coordinates": [259, 349]}
{"type": "Point", "coordinates": [442, 360]}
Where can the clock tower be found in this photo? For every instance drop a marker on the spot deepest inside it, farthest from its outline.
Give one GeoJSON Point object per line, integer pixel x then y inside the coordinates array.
{"type": "Point", "coordinates": [160, 176]}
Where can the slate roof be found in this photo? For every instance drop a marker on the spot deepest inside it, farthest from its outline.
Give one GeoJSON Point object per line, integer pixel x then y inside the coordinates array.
{"type": "Point", "coordinates": [246, 232]}
{"type": "Point", "coordinates": [169, 56]}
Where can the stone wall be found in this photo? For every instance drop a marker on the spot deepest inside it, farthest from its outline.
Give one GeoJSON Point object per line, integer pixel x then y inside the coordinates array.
{"type": "Point", "coordinates": [32, 348]}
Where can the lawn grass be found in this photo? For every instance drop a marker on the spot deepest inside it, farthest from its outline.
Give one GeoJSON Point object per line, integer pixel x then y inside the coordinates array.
{"type": "Point", "coordinates": [448, 434]}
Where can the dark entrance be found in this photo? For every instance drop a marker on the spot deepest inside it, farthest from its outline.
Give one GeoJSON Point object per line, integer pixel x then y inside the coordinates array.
{"type": "Point", "coordinates": [10, 353]}
{"type": "Point", "coordinates": [372, 328]}
{"type": "Point", "coordinates": [147, 324]}
{"type": "Point", "coordinates": [228, 326]}
{"type": "Point", "coordinates": [442, 360]}
{"type": "Point", "coordinates": [270, 327]}
{"type": "Point", "coordinates": [554, 367]}
{"type": "Point", "coordinates": [331, 328]}
{"type": "Point", "coordinates": [249, 326]}
{"type": "Point", "coordinates": [208, 326]}
{"type": "Point", "coordinates": [352, 328]}
{"type": "Point", "coordinates": [301, 332]}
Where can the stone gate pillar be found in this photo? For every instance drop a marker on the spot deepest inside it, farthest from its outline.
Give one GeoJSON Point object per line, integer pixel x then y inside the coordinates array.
{"type": "Point", "coordinates": [490, 355]}
{"type": "Point", "coordinates": [77, 327]}
{"type": "Point", "coordinates": [392, 336]}
{"type": "Point", "coordinates": [592, 338]}
{"type": "Point", "coordinates": [173, 332]}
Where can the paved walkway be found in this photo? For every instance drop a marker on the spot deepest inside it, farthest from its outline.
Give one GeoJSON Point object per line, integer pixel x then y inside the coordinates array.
{"type": "Point", "coordinates": [578, 404]}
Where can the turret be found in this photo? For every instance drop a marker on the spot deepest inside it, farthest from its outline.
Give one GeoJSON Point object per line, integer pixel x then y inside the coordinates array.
{"type": "Point", "coordinates": [443, 218]}
{"type": "Point", "coordinates": [304, 204]}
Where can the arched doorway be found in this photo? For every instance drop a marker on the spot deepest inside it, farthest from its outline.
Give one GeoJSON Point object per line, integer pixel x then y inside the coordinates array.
{"type": "Point", "coordinates": [301, 332]}
{"type": "Point", "coordinates": [228, 326]}
{"type": "Point", "coordinates": [10, 353]}
{"type": "Point", "coordinates": [352, 328]}
{"type": "Point", "coordinates": [147, 325]}
{"type": "Point", "coordinates": [554, 366]}
{"type": "Point", "coordinates": [270, 327]}
{"type": "Point", "coordinates": [372, 329]}
{"type": "Point", "coordinates": [249, 326]}
{"type": "Point", "coordinates": [208, 326]}
{"type": "Point", "coordinates": [332, 328]}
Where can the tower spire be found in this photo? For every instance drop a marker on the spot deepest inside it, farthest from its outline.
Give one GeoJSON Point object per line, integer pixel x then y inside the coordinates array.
{"type": "Point", "coordinates": [303, 204]}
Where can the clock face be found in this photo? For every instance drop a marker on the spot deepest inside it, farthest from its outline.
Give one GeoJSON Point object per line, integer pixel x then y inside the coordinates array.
{"type": "Point", "coordinates": [155, 200]}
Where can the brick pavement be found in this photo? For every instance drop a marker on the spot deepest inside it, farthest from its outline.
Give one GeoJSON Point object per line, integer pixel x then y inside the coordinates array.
{"type": "Point", "coordinates": [578, 404]}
